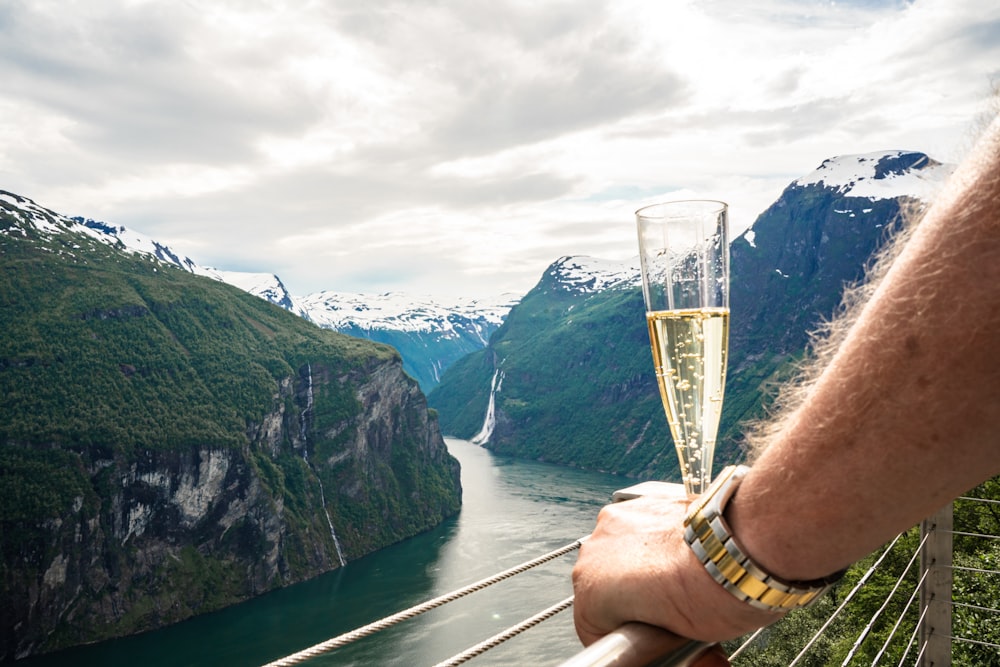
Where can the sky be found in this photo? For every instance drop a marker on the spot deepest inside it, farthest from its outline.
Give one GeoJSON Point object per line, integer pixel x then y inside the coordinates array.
{"type": "Point", "coordinates": [458, 147]}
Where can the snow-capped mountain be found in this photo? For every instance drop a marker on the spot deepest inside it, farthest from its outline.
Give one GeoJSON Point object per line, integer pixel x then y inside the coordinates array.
{"type": "Point", "coordinates": [882, 175]}
{"type": "Point", "coordinates": [866, 177]}
{"type": "Point", "coordinates": [23, 215]}
{"type": "Point", "coordinates": [404, 312]}
{"type": "Point", "coordinates": [591, 274]}
{"type": "Point", "coordinates": [429, 333]}
{"type": "Point", "coordinates": [265, 285]}
{"type": "Point", "coordinates": [818, 236]}
{"type": "Point", "coordinates": [578, 386]}
{"type": "Point", "coordinates": [26, 213]}
{"type": "Point", "coordinates": [432, 333]}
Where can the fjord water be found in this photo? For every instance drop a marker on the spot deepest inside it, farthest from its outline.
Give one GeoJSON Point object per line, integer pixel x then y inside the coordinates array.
{"type": "Point", "coordinates": [513, 511]}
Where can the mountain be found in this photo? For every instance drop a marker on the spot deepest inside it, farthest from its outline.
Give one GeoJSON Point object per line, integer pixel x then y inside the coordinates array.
{"type": "Point", "coordinates": [817, 238]}
{"type": "Point", "coordinates": [267, 286]}
{"type": "Point", "coordinates": [430, 334]}
{"type": "Point", "coordinates": [171, 444]}
{"type": "Point", "coordinates": [568, 378]}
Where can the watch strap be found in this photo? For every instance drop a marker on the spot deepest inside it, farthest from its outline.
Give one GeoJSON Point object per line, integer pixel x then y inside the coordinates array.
{"type": "Point", "coordinates": [712, 541]}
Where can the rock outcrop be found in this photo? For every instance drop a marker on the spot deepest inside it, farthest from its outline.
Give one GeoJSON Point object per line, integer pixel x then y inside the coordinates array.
{"type": "Point", "coordinates": [156, 538]}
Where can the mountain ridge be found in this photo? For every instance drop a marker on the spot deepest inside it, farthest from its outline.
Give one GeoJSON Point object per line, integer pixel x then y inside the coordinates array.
{"type": "Point", "coordinates": [430, 332]}
{"type": "Point", "coordinates": [578, 387]}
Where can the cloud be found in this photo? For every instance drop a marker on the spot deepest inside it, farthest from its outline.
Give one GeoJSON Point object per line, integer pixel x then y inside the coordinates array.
{"type": "Point", "coordinates": [483, 77]}
{"type": "Point", "coordinates": [135, 86]}
{"type": "Point", "coordinates": [593, 82]}
{"type": "Point", "coordinates": [460, 145]}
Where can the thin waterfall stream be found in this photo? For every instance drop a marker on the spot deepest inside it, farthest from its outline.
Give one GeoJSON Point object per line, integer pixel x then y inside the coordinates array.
{"type": "Point", "coordinates": [490, 420]}
{"type": "Point", "coordinates": [303, 431]}
{"type": "Point", "coordinates": [333, 533]}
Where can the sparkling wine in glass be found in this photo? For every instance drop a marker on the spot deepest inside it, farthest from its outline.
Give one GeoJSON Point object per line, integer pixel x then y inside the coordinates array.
{"type": "Point", "coordinates": [684, 255]}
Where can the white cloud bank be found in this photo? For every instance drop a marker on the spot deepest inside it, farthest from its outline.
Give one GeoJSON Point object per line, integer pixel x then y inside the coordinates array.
{"type": "Point", "coordinates": [457, 148]}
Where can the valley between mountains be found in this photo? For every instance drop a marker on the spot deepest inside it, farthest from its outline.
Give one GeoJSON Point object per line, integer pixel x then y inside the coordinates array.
{"type": "Point", "coordinates": [178, 438]}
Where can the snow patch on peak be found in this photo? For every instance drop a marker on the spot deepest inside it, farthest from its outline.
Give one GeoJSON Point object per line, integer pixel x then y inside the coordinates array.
{"type": "Point", "coordinates": [401, 312]}
{"type": "Point", "coordinates": [255, 283]}
{"type": "Point", "coordinates": [29, 214]}
{"type": "Point", "coordinates": [881, 175]}
{"type": "Point", "coordinates": [592, 274]}
{"type": "Point", "coordinates": [267, 286]}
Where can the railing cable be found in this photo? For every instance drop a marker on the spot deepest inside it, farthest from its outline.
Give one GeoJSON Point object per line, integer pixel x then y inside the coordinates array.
{"type": "Point", "coordinates": [850, 596]}
{"type": "Point", "coordinates": [745, 644]}
{"type": "Point", "coordinates": [980, 535]}
{"type": "Point", "coordinates": [966, 640]}
{"type": "Point", "coordinates": [899, 621]}
{"type": "Point", "coordinates": [407, 614]}
{"type": "Point", "coordinates": [507, 634]}
{"type": "Point", "coordinates": [980, 500]}
{"type": "Point", "coordinates": [975, 607]}
{"type": "Point", "coordinates": [913, 638]}
{"type": "Point", "coordinates": [979, 570]}
{"type": "Point", "coordinates": [920, 656]}
{"type": "Point", "coordinates": [871, 624]}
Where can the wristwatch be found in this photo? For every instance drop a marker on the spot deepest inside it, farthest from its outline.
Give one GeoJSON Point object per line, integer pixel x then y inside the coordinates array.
{"type": "Point", "coordinates": [709, 536]}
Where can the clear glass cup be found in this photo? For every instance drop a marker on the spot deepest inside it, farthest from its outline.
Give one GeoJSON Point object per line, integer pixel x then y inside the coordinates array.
{"type": "Point", "coordinates": [684, 255]}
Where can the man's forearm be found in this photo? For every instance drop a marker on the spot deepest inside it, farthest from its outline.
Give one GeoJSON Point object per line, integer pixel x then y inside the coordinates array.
{"type": "Point", "coordinates": [905, 417]}
{"type": "Point", "coordinates": [907, 414]}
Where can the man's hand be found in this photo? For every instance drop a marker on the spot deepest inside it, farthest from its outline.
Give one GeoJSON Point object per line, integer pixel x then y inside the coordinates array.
{"type": "Point", "coordinates": [637, 567]}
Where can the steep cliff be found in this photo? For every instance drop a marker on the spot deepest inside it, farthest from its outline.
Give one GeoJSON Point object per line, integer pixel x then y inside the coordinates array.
{"type": "Point", "coordinates": [171, 445]}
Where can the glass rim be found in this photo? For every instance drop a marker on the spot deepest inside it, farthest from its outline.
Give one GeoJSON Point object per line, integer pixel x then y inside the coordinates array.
{"type": "Point", "coordinates": [643, 212]}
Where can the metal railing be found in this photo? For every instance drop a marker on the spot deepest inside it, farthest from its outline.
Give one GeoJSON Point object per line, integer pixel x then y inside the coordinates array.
{"type": "Point", "coordinates": [939, 603]}
{"type": "Point", "coordinates": [936, 607]}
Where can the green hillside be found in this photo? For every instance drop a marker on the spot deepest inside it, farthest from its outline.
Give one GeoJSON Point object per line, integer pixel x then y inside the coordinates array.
{"type": "Point", "coordinates": [167, 443]}
{"type": "Point", "coordinates": [578, 385]}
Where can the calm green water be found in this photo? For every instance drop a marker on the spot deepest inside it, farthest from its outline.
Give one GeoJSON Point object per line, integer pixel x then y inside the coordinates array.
{"type": "Point", "coordinates": [513, 511]}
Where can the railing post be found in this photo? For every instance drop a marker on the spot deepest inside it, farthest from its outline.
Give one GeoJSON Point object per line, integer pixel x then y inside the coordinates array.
{"type": "Point", "coordinates": [935, 594]}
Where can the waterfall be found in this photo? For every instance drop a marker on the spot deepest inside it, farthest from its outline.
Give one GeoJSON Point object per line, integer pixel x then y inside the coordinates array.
{"type": "Point", "coordinates": [333, 533]}
{"type": "Point", "coordinates": [490, 420]}
{"type": "Point", "coordinates": [303, 432]}
{"type": "Point", "coordinates": [308, 410]}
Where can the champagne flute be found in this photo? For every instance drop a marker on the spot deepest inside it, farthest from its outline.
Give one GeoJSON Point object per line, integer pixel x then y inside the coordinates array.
{"type": "Point", "coordinates": [684, 256]}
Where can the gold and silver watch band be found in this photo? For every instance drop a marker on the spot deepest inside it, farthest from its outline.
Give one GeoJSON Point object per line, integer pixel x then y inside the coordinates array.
{"type": "Point", "coordinates": [708, 535]}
